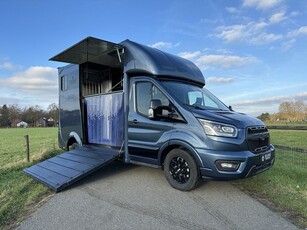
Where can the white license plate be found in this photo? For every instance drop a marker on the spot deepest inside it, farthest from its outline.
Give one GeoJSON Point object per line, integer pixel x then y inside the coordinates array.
{"type": "Point", "coordinates": [266, 157]}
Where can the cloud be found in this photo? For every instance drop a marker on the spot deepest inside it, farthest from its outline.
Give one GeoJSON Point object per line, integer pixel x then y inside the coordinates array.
{"type": "Point", "coordinates": [265, 38]}
{"type": "Point", "coordinates": [298, 32]}
{"type": "Point", "coordinates": [294, 13]}
{"type": "Point", "coordinates": [261, 4]}
{"type": "Point", "coordinates": [224, 61]}
{"type": "Point", "coordinates": [189, 55]}
{"type": "Point", "coordinates": [6, 65]}
{"type": "Point", "coordinates": [273, 100]}
{"type": "Point", "coordinates": [251, 33]}
{"type": "Point", "coordinates": [277, 17]}
{"type": "Point", "coordinates": [233, 10]}
{"type": "Point", "coordinates": [35, 85]}
{"type": "Point", "coordinates": [292, 35]}
{"type": "Point", "coordinates": [301, 96]}
{"type": "Point", "coordinates": [33, 79]}
{"type": "Point", "coordinates": [219, 80]}
{"type": "Point", "coordinates": [270, 104]}
{"type": "Point", "coordinates": [258, 32]}
{"type": "Point", "coordinates": [167, 45]}
{"type": "Point", "coordinates": [231, 33]}
{"type": "Point", "coordinates": [288, 44]}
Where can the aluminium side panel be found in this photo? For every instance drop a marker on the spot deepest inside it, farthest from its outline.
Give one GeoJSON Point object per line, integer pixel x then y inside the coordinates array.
{"type": "Point", "coordinates": [105, 119]}
{"type": "Point", "coordinates": [70, 118]}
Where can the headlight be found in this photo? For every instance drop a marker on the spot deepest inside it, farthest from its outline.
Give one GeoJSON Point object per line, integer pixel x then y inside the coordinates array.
{"type": "Point", "coordinates": [218, 129]}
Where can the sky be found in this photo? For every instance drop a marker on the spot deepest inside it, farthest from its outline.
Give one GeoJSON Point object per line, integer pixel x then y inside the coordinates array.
{"type": "Point", "coordinates": [252, 53]}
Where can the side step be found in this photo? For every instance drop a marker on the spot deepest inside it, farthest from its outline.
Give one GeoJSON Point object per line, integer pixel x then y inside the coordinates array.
{"type": "Point", "coordinates": [65, 169]}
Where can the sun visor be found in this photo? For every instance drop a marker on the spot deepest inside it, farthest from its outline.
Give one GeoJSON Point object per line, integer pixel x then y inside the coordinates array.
{"type": "Point", "coordinates": [92, 50]}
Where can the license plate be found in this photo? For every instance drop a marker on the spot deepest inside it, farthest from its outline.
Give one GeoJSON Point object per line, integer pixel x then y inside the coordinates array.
{"type": "Point", "coordinates": [266, 157]}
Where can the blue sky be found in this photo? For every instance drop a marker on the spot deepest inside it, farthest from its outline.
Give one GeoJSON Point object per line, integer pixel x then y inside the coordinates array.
{"type": "Point", "coordinates": [253, 53]}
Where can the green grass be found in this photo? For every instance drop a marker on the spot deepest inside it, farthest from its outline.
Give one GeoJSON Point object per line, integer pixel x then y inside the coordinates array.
{"type": "Point", "coordinates": [12, 145]}
{"type": "Point", "coordinates": [285, 184]}
{"type": "Point", "coordinates": [292, 138]}
{"type": "Point", "coordinates": [18, 192]}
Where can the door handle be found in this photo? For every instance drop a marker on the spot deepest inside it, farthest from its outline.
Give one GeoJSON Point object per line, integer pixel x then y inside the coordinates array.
{"type": "Point", "coordinates": [135, 121]}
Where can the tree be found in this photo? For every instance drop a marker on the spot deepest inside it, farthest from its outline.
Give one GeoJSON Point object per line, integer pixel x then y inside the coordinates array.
{"type": "Point", "coordinates": [264, 117]}
{"type": "Point", "coordinates": [53, 112]}
{"type": "Point", "coordinates": [292, 111]}
{"type": "Point", "coordinates": [32, 114]}
{"type": "Point", "coordinates": [14, 114]}
{"type": "Point", "coordinates": [4, 117]}
{"type": "Point", "coordinates": [10, 115]}
{"type": "Point", "coordinates": [285, 108]}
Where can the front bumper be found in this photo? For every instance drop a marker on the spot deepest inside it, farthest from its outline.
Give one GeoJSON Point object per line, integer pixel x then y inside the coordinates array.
{"type": "Point", "coordinates": [250, 163]}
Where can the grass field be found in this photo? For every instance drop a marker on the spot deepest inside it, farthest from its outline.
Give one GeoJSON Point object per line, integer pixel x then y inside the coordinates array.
{"type": "Point", "coordinates": [19, 193]}
{"type": "Point", "coordinates": [12, 145]}
{"type": "Point", "coordinates": [284, 185]}
{"type": "Point", "coordinates": [291, 138]}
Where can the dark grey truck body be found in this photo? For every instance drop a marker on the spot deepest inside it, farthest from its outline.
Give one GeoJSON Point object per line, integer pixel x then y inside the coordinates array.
{"type": "Point", "coordinates": [151, 108]}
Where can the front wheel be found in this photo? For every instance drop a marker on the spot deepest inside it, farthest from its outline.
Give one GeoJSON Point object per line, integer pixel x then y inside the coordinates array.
{"type": "Point", "coordinates": [181, 170]}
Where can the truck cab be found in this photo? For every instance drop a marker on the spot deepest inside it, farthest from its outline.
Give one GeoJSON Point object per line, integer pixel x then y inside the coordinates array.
{"type": "Point", "coordinates": [155, 109]}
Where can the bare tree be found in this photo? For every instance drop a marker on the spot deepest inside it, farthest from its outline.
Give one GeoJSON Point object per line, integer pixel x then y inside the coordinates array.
{"type": "Point", "coordinates": [292, 111]}
{"type": "Point", "coordinates": [14, 114]}
{"type": "Point", "coordinates": [53, 112]}
{"type": "Point", "coordinates": [32, 114]}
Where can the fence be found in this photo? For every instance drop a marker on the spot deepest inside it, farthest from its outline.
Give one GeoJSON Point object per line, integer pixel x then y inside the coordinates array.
{"type": "Point", "coordinates": [293, 156]}
{"type": "Point", "coordinates": [291, 145]}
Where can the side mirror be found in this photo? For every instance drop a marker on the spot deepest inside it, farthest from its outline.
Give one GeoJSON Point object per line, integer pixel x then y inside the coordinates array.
{"type": "Point", "coordinates": [156, 108]}
{"type": "Point", "coordinates": [152, 111]}
{"type": "Point", "coordinates": [230, 108]}
{"type": "Point", "coordinates": [155, 103]}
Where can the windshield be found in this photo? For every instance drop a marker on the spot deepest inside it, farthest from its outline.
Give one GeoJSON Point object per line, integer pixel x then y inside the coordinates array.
{"type": "Point", "coordinates": [193, 96]}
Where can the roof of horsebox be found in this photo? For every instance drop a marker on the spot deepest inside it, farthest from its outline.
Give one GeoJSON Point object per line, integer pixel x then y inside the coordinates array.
{"type": "Point", "coordinates": [140, 58]}
{"type": "Point", "coordinates": [134, 57]}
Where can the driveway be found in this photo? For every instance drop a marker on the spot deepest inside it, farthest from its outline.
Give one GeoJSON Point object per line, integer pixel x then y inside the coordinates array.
{"type": "Point", "coordinates": [134, 197]}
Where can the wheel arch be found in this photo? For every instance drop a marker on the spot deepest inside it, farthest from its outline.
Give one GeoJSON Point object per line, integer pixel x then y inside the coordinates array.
{"type": "Point", "coordinates": [73, 138]}
{"type": "Point", "coordinates": [173, 144]}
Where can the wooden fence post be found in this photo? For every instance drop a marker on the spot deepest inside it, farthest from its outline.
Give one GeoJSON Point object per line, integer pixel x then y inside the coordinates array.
{"type": "Point", "coordinates": [27, 147]}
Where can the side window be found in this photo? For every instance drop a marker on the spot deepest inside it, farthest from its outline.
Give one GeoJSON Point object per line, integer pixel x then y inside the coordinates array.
{"type": "Point", "coordinates": [63, 83]}
{"type": "Point", "coordinates": [145, 92]}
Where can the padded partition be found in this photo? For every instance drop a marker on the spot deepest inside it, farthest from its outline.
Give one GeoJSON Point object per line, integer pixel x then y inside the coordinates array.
{"type": "Point", "coordinates": [105, 119]}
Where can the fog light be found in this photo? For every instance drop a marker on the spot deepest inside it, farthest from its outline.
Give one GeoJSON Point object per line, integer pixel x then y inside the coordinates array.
{"type": "Point", "coordinates": [227, 165]}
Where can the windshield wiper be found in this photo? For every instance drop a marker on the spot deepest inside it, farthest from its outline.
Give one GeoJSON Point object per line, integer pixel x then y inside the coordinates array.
{"type": "Point", "coordinates": [194, 106]}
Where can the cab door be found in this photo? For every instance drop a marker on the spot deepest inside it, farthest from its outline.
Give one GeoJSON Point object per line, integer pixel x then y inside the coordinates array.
{"type": "Point", "coordinates": [147, 135]}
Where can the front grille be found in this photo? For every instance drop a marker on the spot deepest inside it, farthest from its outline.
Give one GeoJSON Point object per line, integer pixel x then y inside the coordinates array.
{"type": "Point", "coordinates": [258, 139]}
{"type": "Point", "coordinates": [258, 145]}
{"type": "Point", "coordinates": [257, 129]}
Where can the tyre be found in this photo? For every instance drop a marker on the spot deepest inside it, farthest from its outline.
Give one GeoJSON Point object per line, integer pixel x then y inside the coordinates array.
{"type": "Point", "coordinates": [74, 145]}
{"type": "Point", "coordinates": [181, 170]}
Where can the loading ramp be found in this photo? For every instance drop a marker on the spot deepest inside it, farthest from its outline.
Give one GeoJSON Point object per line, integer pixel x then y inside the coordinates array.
{"type": "Point", "coordinates": [65, 169]}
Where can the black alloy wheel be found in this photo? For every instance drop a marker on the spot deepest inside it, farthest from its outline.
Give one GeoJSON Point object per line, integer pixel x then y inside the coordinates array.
{"type": "Point", "coordinates": [181, 170]}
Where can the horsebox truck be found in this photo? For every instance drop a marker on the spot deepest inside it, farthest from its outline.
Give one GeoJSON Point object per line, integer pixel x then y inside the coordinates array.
{"type": "Point", "coordinates": [137, 104]}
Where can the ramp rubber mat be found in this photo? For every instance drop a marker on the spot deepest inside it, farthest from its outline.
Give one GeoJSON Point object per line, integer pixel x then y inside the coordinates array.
{"type": "Point", "coordinates": [63, 170]}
